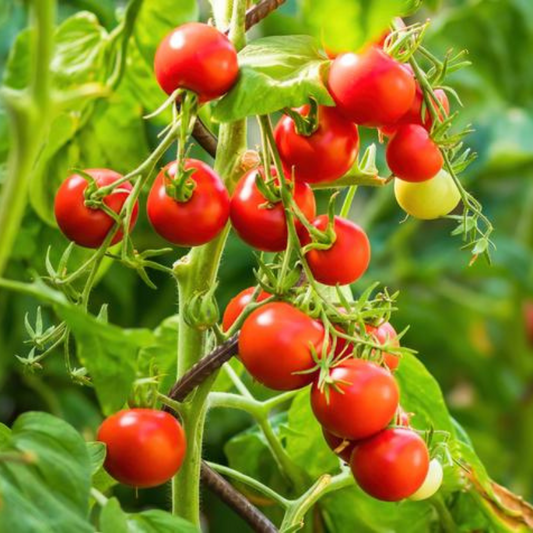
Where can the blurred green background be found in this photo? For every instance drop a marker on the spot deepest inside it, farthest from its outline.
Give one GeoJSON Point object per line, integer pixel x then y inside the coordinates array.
{"type": "Point", "coordinates": [469, 324]}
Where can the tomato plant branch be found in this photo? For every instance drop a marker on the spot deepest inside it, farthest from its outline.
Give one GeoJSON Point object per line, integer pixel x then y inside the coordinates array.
{"type": "Point", "coordinates": [29, 112]}
{"type": "Point", "coordinates": [214, 481]}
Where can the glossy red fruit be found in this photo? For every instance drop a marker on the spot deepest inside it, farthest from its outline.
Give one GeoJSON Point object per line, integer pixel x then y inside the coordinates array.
{"type": "Point", "coordinates": [324, 156]}
{"type": "Point", "coordinates": [412, 155]}
{"type": "Point", "coordinates": [84, 225]}
{"type": "Point", "coordinates": [391, 465]}
{"type": "Point", "coordinates": [414, 115]}
{"type": "Point", "coordinates": [237, 304]}
{"type": "Point", "coordinates": [197, 220]}
{"type": "Point", "coordinates": [197, 57]}
{"type": "Point", "coordinates": [342, 447]}
{"type": "Point", "coordinates": [145, 447]}
{"type": "Point", "coordinates": [371, 88]}
{"type": "Point", "coordinates": [277, 342]}
{"type": "Point", "coordinates": [348, 257]}
{"type": "Point", "coordinates": [365, 402]}
{"type": "Point", "coordinates": [386, 334]}
{"type": "Point", "coordinates": [263, 225]}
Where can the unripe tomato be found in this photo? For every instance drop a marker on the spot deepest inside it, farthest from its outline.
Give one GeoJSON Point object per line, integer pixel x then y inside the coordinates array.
{"type": "Point", "coordinates": [84, 225]}
{"type": "Point", "coordinates": [386, 334]}
{"type": "Point", "coordinates": [326, 155]}
{"type": "Point", "coordinates": [341, 447]}
{"type": "Point", "coordinates": [199, 219]}
{"type": "Point", "coordinates": [431, 484]}
{"type": "Point", "coordinates": [263, 225]}
{"type": "Point", "coordinates": [429, 199]}
{"type": "Point", "coordinates": [414, 115]}
{"type": "Point", "coordinates": [348, 257]}
{"type": "Point", "coordinates": [371, 88]}
{"type": "Point", "coordinates": [277, 342]}
{"type": "Point", "coordinates": [145, 447]}
{"type": "Point", "coordinates": [391, 465]}
{"type": "Point", "coordinates": [197, 57]}
{"type": "Point", "coordinates": [237, 304]}
{"type": "Point", "coordinates": [362, 402]}
{"type": "Point", "coordinates": [412, 155]}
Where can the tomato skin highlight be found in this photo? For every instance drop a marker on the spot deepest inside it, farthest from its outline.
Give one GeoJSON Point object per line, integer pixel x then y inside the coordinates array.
{"type": "Point", "coordinates": [145, 447]}
{"type": "Point", "coordinates": [391, 465]}
{"type": "Point", "coordinates": [429, 199]}
{"type": "Point", "coordinates": [323, 156]}
{"type": "Point", "coordinates": [412, 155]}
{"type": "Point", "coordinates": [275, 343]}
{"type": "Point", "coordinates": [371, 88]}
{"type": "Point", "coordinates": [237, 304]}
{"type": "Point", "coordinates": [346, 260]}
{"type": "Point", "coordinates": [197, 57]}
{"type": "Point", "coordinates": [386, 334]}
{"type": "Point", "coordinates": [265, 228]}
{"type": "Point", "coordinates": [414, 115]}
{"type": "Point", "coordinates": [196, 221]}
{"type": "Point", "coordinates": [341, 447]}
{"type": "Point", "coordinates": [366, 404]}
{"type": "Point", "coordinates": [83, 225]}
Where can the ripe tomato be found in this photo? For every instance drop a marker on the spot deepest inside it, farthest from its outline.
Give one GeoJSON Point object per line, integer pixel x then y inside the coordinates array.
{"type": "Point", "coordinates": [391, 465]}
{"type": "Point", "coordinates": [386, 334]}
{"type": "Point", "coordinates": [237, 304]}
{"type": "Point", "coordinates": [371, 88]}
{"type": "Point", "coordinates": [276, 343]}
{"type": "Point", "coordinates": [429, 199]}
{"type": "Point", "coordinates": [326, 155]}
{"type": "Point", "coordinates": [432, 482]}
{"type": "Point", "coordinates": [196, 221]}
{"type": "Point", "coordinates": [342, 447]}
{"type": "Point", "coordinates": [197, 57]}
{"type": "Point", "coordinates": [84, 225]}
{"type": "Point", "coordinates": [414, 115]}
{"type": "Point", "coordinates": [260, 224]}
{"type": "Point", "coordinates": [365, 402]}
{"type": "Point", "coordinates": [412, 155]}
{"type": "Point", "coordinates": [145, 447]}
{"type": "Point", "coordinates": [348, 257]}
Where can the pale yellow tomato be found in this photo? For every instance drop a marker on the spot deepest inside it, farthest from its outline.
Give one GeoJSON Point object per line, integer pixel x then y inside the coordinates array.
{"type": "Point", "coordinates": [429, 199]}
{"type": "Point", "coordinates": [432, 482]}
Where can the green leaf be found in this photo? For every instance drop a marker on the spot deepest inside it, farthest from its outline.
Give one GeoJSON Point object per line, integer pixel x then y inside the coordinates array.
{"type": "Point", "coordinates": [343, 25]}
{"type": "Point", "coordinates": [109, 353]}
{"type": "Point", "coordinates": [275, 72]}
{"type": "Point", "coordinates": [97, 454]}
{"type": "Point", "coordinates": [114, 520]}
{"type": "Point", "coordinates": [50, 495]}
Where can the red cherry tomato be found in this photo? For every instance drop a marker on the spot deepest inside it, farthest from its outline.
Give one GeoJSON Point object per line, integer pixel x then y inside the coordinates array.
{"type": "Point", "coordinates": [84, 225]}
{"type": "Point", "coordinates": [371, 88]}
{"type": "Point", "coordinates": [391, 465]}
{"type": "Point", "coordinates": [145, 447]}
{"type": "Point", "coordinates": [197, 57]}
{"type": "Point", "coordinates": [348, 257]}
{"type": "Point", "coordinates": [386, 334]}
{"type": "Point", "coordinates": [412, 155]}
{"type": "Point", "coordinates": [365, 402]}
{"type": "Point", "coordinates": [414, 115]}
{"type": "Point", "coordinates": [326, 155]}
{"type": "Point", "coordinates": [342, 447]}
{"type": "Point", "coordinates": [196, 221]}
{"type": "Point", "coordinates": [262, 225]}
{"type": "Point", "coordinates": [237, 304]}
{"type": "Point", "coordinates": [276, 343]}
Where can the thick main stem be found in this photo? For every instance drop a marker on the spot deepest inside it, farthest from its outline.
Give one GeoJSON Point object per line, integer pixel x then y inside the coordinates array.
{"type": "Point", "coordinates": [196, 273]}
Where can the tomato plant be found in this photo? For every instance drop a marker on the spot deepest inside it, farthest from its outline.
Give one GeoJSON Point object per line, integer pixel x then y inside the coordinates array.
{"type": "Point", "coordinates": [302, 387]}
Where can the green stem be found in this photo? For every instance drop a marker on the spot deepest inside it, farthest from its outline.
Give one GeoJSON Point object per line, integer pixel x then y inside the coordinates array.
{"type": "Point", "coordinates": [446, 521]}
{"type": "Point", "coordinates": [29, 112]}
{"type": "Point", "coordinates": [195, 273]}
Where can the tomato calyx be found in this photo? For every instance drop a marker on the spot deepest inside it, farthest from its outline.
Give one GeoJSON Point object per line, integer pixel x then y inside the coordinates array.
{"type": "Point", "coordinates": [403, 41]}
{"type": "Point", "coordinates": [181, 187]}
{"type": "Point", "coordinates": [305, 125]}
{"type": "Point", "coordinates": [201, 311]}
